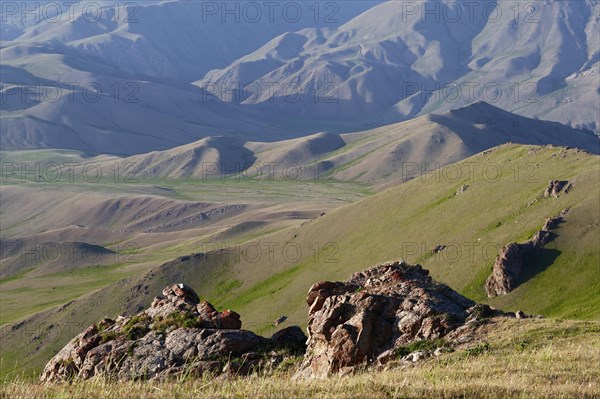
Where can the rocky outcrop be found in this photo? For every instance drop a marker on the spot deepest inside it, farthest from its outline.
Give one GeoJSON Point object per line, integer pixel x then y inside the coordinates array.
{"type": "Point", "coordinates": [177, 335]}
{"type": "Point", "coordinates": [508, 268]}
{"type": "Point", "coordinates": [512, 261]}
{"type": "Point", "coordinates": [557, 187]}
{"type": "Point", "coordinates": [438, 248]}
{"type": "Point", "coordinates": [462, 189]}
{"type": "Point", "coordinates": [355, 323]}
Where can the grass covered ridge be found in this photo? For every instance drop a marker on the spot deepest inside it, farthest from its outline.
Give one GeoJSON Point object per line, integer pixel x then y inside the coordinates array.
{"type": "Point", "coordinates": [503, 203]}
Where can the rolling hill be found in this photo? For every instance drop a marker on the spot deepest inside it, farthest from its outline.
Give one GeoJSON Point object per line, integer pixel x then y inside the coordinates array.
{"type": "Point", "coordinates": [145, 209]}
{"type": "Point", "coordinates": [380, 157]}
{"type": "Point", "coordinates": [252, 149]}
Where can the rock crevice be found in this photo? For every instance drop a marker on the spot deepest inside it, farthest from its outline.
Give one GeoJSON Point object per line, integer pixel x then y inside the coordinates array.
{"type": "Point", "coordinates": [557, 187]}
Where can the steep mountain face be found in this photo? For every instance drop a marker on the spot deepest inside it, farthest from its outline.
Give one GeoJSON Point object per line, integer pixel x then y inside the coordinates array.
{"type": "Point", "coordinates": [116, 78]}
{"type": "Point", "coordinates": [121, 84]}
{"type": "Point", "coordinates": [172, 39]}
{"type": "Point", "coordinates": [399, 60]}
{"type": "Point", "coordinates": [362, 65]}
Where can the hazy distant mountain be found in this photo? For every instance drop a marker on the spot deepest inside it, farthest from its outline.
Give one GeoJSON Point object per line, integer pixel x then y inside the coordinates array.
{"type": "Point", "coordinates": [56, 98]}
{"type": "Point", "coordinates": [170, 38]}
{"type": "Point", "coordinates": [399, 60]}
{"type": "Point", "coordinates": [122, 84]}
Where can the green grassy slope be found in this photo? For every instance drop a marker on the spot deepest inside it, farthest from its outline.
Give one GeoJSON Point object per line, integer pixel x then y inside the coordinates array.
{"type": "Point", "coordinates": [47, 212]}
{"type": "Point", "coordinates": [270, 275]}
{"type": "Point", "coordinates": [570, 287]}
{"type": "Point", "coordinates": [28, 344]}
{"type": "Point", "coordinates": [410, 220]}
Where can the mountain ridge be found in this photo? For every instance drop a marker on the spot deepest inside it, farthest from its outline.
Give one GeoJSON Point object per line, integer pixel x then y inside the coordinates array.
{"type": "Point", "coordinates": [373, 156]}
{"type": "Point", "coordinates": [527, 61]}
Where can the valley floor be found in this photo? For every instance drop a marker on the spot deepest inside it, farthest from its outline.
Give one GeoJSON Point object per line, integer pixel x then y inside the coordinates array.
{"type": "Point", "coordinates": [518, 358]}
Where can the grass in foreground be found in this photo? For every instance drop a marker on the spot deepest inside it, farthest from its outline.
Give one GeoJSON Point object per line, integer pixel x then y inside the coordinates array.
{"type": "Point", "coordinates": [518, 358]}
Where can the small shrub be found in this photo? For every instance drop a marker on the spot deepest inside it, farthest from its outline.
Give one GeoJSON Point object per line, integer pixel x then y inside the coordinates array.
{"type": "Point", "coordinates": [478, 350]}
{"type": "Point", "coordinates": [138, 319]}
{"type": "Point", "coordinates": [192, 322]}
{"type": "Point", "coordinates": [137, 331]}
{"type": "Point", "coordinates": [522, 345]}
{"type": "Point", "coordinates": [136, 327]}
{"type": "Point", "coordinates": [178, 320]}
{"type": "Point", "coordinates": [108, 336]}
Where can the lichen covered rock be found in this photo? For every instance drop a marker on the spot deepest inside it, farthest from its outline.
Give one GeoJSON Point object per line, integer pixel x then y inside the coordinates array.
{"type": "Point", "coordinates": [177, 335]}
{"type": "Point", "coordinates": [352, 323]}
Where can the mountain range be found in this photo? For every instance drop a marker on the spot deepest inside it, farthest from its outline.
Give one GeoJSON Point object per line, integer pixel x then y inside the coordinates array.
{"type": "Point", "coordinates": [130, 84]}
{"type": "Point", "coordinates": [399, 60]}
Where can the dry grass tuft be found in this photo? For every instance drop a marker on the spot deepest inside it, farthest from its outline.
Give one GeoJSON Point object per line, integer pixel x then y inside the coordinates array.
{"type": "Point", "coordinates": [522, 359]}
